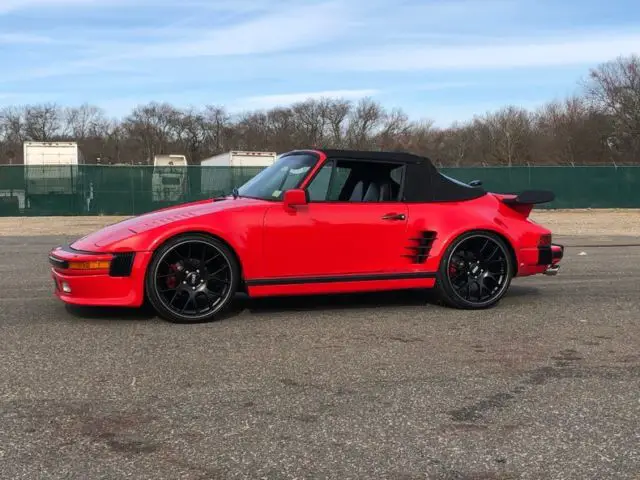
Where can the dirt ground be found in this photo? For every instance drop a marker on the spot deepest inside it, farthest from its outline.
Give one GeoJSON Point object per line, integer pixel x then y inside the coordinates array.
{"type": "Point", "coordinates": [625, 222]}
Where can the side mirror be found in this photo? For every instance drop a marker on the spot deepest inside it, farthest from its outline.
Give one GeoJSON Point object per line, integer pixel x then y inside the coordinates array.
{"type": "Point", "coordinates": [293, 198]}
{"type": "Point", "coordinates": [475, 183]}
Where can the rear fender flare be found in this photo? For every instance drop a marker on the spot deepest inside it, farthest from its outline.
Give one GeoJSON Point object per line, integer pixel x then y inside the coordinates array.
{"type": "Point", "coordinates": [453, 236]}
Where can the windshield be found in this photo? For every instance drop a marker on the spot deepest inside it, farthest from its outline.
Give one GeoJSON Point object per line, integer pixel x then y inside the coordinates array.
{"type": "Point", "coordinates": [286, 173]}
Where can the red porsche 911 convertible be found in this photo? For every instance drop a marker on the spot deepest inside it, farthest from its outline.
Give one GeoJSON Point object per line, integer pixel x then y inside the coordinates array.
{"type": "Point", "coordinates": [315, 222]}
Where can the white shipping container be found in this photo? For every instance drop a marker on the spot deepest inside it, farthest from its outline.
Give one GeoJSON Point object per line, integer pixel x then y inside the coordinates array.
{"type": "Point", "coordinates": [238, 158]}
{"type": "Point", "coordinates": [51, 167]}
{"type": "Point", "coordinates": [52, 153]}
{"type": "Point", "coordinates": [168, 160]}
{"type": "Point", "coordinates": [215, 181]}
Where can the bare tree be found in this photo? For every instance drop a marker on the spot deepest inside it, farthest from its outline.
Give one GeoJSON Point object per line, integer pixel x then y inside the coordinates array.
{"type": "Point", "coordinates": [363, 121]}
{"type": "Point", "coordinates": [310, 120]}
{"type": "Point", "coordinates": [505, 136]}
{"type": "Point", "coordinates": [154, 127]}
{"type": "Point", "coordinates": [603, 125]}
{"type": "Point", "coordinates": [12, 134]}
{"type": "Point", "coordinates": [614, 87]}
{"type": "Point", "coordinates": [282, 126]}
{"type": "Point", "coordinates": [42, 122]}
{"type": "Point", "coordinates": [458, 146]}
{"type": "Point", "coordinates": [568, 132]}
{"type": "Point", "coordinates": [83, 122]}
{"type": "Point", "coordinates": [218, 129]}
{"type": "Point", "coordinates": [395, 131]}
{"type": "Point", "coordinates": [337, 112]}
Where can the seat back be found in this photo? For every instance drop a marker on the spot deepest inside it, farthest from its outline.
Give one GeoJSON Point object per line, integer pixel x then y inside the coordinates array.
{"type": "Point", "coordinates": [358, 190]}
{"type": "Point", "coordinates": [373, 193]}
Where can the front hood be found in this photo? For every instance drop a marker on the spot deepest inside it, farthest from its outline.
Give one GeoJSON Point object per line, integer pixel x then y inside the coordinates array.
{"type": "Point", "coordinates": [128, 228]}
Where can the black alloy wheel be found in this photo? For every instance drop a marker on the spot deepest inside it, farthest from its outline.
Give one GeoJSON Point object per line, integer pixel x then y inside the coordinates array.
{"type": "Point", "coordinates": [192, 278]}
{"type": "Point", "coordinates": [475, 271]}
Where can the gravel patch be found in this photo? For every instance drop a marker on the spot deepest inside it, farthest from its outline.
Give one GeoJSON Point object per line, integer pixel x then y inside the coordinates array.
{"type": "Point", "coordinates": [624, 222]}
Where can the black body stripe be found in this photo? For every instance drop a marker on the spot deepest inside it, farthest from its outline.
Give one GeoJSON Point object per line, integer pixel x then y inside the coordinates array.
{"type": "Point", "coordinates": [338, 279]}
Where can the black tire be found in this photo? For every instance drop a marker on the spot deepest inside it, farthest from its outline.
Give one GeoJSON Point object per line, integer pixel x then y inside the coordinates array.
{"type": "Point", "coordinates": [191, 270]}
{"type": "Point", "coordinates": [472, 261]}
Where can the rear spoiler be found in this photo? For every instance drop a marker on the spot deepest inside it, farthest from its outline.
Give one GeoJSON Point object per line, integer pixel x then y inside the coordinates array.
{"type": "Point", "coordinates": [530, 197]}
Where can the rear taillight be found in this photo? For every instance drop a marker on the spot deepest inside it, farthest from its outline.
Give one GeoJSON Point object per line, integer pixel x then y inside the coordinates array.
{"type": "Point", "coordinates": [545, 239]}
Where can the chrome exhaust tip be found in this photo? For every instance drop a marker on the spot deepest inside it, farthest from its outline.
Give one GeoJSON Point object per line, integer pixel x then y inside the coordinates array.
{"type": "Point", "coordinates": [552, 270]}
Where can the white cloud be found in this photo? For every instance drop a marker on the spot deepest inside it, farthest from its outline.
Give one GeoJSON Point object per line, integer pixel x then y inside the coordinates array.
{"type": "Point", "coordinates": [23, 38]}
{"type": "Point", "coordinates": [237, 6]}
{"type": "Point", "coordinates": [287, 29]}
{"type": "Point", "coordinates": [587, 49]}
{"type": "Point", "coordinates": [285, 99]}
{"type": "Point", "coordinates": [7, 6]}
{"type": "Point", "coordinates": [439, 86]}
{"type": "Point", "coordinates": [27, 97]}
{"type": "Point", "coordinates": [442, 16]}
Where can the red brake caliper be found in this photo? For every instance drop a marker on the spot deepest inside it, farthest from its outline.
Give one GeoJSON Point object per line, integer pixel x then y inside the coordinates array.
{"type": "Point", "coordinates": [172, 281]}
{"type": "Point", "coordinates": [453, 268]}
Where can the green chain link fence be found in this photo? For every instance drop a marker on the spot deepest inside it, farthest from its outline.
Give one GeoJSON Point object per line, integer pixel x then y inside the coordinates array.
{"type": "Point", "coordinates": [132, 190]}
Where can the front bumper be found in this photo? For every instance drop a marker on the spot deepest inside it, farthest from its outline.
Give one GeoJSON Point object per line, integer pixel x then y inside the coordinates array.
{"type": "Point", "coordinates": [98, 279]}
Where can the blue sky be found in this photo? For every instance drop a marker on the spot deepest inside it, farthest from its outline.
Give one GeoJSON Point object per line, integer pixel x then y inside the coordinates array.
{"type": "Point", "coordinates": [439, 60]}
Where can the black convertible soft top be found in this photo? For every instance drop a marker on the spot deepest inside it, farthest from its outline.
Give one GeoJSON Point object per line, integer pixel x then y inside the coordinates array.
{"type": "Point", "coordinates": [423, 182]}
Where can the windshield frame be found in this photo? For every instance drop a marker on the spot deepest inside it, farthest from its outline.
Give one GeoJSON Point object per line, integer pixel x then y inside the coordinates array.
{"type": "Point", "coordinates": [251, 188]}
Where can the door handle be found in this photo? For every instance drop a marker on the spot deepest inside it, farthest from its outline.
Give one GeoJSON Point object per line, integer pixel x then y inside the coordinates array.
{"type": "Point", "coordinates": [393, 216]}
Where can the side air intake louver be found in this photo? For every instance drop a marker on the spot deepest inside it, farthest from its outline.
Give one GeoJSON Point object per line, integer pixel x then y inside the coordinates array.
{"type": "Point", "coordinates": [122, 264]}
{"type": "Point", "coordinates": [421, 246]}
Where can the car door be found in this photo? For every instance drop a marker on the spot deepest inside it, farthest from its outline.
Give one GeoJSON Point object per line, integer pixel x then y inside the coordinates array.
{"type": "Point", "coordinates": [334, 236]}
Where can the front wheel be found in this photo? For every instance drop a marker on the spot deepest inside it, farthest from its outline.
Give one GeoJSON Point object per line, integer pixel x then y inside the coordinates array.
{"type": "Point", "coordinates": [192, 278]}
{"type": "Point", "coordinates": [475, 271]}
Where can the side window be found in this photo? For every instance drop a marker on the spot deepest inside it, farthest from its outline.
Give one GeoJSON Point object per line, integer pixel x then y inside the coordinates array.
{"type": "Point", "coordinates": [327, 185]}
{"type": "Point", "coordinates": [340, 177]}
{"type": "Point", "coordinates": [356, 181]}
{"type": "Point", "coordinates": [319, 186]}
{"type": "Point", "coordinates": [375, 182]}
{"type": "Point", "coordinates": [396, 175]}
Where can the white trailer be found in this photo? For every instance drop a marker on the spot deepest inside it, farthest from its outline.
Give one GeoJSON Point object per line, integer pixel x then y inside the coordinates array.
{"type": "Point", "coordinates": [238, 158]}
{"type": "Point", "coordinates": [52, 175]}
{"type": "Point", "coordinates": [217, 181]}
{"type": "Point", "coordinates": [169, 181]}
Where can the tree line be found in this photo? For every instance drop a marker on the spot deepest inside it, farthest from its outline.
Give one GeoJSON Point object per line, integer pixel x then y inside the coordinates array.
{"type": "Point", "coordinates": [598, 125]}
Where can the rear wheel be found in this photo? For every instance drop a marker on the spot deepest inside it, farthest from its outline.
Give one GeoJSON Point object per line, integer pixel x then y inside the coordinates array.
{"type": "Point", "coordinates": [475, 271]}
{"type": "Point", "coordinates": [192, 278]}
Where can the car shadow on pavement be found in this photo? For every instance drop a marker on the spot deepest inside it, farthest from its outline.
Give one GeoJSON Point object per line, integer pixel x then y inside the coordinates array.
{"type": "Point", "coordinates": [242, 303]}
{"type": "Point", "coordinates": [351, 301]}
{"type": "Point", "coordinates": [111, 313]}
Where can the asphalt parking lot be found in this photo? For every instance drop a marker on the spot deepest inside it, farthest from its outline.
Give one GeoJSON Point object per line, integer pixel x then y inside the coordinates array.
{"type": "Point", "coordinates": [544, 386]}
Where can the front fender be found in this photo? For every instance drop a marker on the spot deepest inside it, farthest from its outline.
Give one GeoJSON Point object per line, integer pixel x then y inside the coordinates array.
{"type": "Point", "coordinates": [242, 233]}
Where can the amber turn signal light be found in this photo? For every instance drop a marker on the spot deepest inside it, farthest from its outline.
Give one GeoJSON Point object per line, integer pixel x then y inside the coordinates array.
{"type": "Point", "coordinates": [94, 265]}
